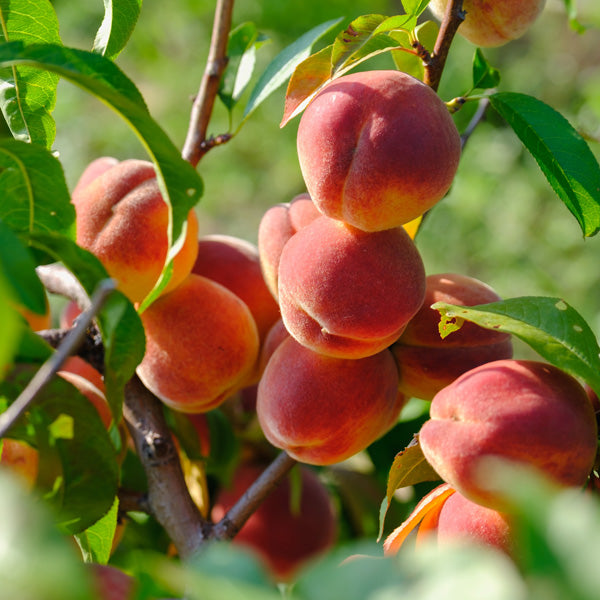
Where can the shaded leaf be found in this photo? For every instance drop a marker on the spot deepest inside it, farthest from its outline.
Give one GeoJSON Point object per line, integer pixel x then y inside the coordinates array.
{"type": "Point", "coordinates": [9, 322]}
{"type": "Point", "coordinates": [562, 154]}
{"type": "Point", "coordinates": [555, 330]}
{"type": "Point", "coordinates": [120, 18]}
{"type": "Point", "coordinates": [179, 182]}
{"type": "Point", "coordinates": [33, 191]}
{"type": "Point", "coordinates": [96, 541]}
{"type": "Point", "coordinates": [283, 65]}
{"type": "Point", "coordinates": [28, 95]}
{"type": "Point", "coordinates": [484, 75]}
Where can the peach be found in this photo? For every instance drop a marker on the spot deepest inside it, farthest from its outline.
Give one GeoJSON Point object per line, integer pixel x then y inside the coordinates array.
{"type": "Point", "coordinates": [110, 583]}
{"type": "Point", "coordinates": [20, 458]}
{"type": "Point", "coordinates": [490, 23]}
{"type": "Point", "coordinates": [524, 411]}
{"type": "Point", "coordinates": [322, 410]}
{"type": "Point", "coordinates": [426, 362]}
{"type": "Point", "coordinates": [377, 149]}
{"type": "Point", "coordinates": [348, 293]}
{"type": "Point", "coordinates": [68, 315]}
{"type": "Point", "coordinates": [36, 321]}
{"type": "Point", "coordinates": [284, 538]}
{"type": "Point", "coordinates": [123, 220]}
{"type": "Point", "coordinates": [235, 264]}
{"type": "Point", "coordinates": [201, 345]}
{"type": "Point", "coordinates": [277, 226]}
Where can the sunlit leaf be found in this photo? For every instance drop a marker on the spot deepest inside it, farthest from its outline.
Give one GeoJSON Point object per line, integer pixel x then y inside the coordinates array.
{"type": "Point", "coordinates": [27, 94]}
{"type": "Point", "coordinates": [484, 75]}
{"type": "Point", "coordinates": [414, 7]}
{"type": "Point", "coordinates": [120, 18]}
{"type": "Point", "coordinates": [562, 154]}
{"type": "Point", "coordinates": [96, 542]}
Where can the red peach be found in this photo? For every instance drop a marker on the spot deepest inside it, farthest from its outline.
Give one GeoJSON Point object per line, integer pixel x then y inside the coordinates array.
{"type": "Point", "coordinates": [284, 538]}
{"type": "Point", "coordinates": [111, 583]}
{"type": "Point", "coordinates": [377, 149]}
{"type": "Point", "coordinates": [348, 293]}
{"type": "Point", "coordinates": [426, 362]}
{"type": "Point", "coordinates": [322, 410]}
{"type": "Point", "coordinates": [123, 220]}
{"type": "Point", "coordinates": [524, 411]}
{"type": "Point", "coordinates": [20, 458]}
{"type": "Point", "coordinates": [490, 23]}
{"type": "Point", "coordinates": [201, 345]}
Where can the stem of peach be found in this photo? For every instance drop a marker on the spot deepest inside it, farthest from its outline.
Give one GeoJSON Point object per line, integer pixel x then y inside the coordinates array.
{"type": "Point", "coordinates": [453, 17]}
{"type": "Point", "coordinates": [196, 143]}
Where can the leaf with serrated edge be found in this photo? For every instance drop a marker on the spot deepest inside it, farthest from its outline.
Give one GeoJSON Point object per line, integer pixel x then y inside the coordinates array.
{"type": "Point", "coordinates": [28, 95]}
{"type": "Point", "coordinates": [415, 7]}
{"type": "Point", "coordinates": [561, 153]}
{"type": "Point", "coordinates": [484, 75]}
{"type": "Point", "coordinates": [555, 330]}
{"type": "Point", "coordinates": [178, 181]}
{"type": "Point", "coordinates": [432, 502]}
{"type": "Point", "coordinates": [282, 66]}
{"type": "Point", "coordinates": [353, 37]}
{"type": "Point", "coordinates": [120, 18]}
{"type": "Point", "coordinates": [96, 541]}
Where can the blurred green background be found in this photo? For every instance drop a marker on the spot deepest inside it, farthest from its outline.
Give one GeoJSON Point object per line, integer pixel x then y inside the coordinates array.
{"type": "Point", "coordinates": [501, 221]}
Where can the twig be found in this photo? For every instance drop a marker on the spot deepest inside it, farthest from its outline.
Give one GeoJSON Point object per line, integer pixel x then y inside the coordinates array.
{"type": "Point", "coordinates": [48, 370]}
{"type": "Point", "coordinates": [239, 513]}
{"type": "Point", "coordinates": [453, 17]}
{"type": "Point", "coordinates": [474, 122]}
{"type": "Point", "coordinates": [196, 143]}
{"type": "Point", "coordinates": [168, 497]}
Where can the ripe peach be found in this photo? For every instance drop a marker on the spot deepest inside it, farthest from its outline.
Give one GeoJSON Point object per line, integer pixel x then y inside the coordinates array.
{"type": "Point", "coordinates": [201, 344]}
{"type": "Point", "coordinates": [283, 537]}
{"type": "Point", "coordinates": [234, 263]}
{"type": "Point", "coordinates": [525, 411]}
{"type": "Point", "coordinates": [322, 410]}
{"type": "Point", "coordinates": [426, 362]}
{"type": "Point", "coordinates": [110, 583]}
{"type": "Point", "coordinates": [123, 220]}
{"type": "Point", "coordinates": [348, 293]}
{"type": "Point", "coordinates": [277, 226]}
{"type": "Point", "coordinates": [20, 458]}
{"type": "Point", "coordinates": [36, 321]}
{"type": "Point", "coordinates": [490, 23]}
{"type": "Point", "coordinates": [68, 315]}
{"type": "Point", "coordinates": [377, 149]}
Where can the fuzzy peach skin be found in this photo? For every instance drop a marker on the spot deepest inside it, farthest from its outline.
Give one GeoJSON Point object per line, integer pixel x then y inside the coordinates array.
{"type": "Point", "coordinates": [348, 293]}
{"type": "Point", "coordinates": [284, 538]}
{"type": "Point", "coordinates": [122, 218]}
{"type": "Point", "coordinates": [201, 344]}
{"type": "Point", "coordinates": [490, 23]}
{"type": "Point", "coordinates": [426, 361]}
{"type": "Point", "coordinates": [524, 411]}
{"type": "Point", "coordinates": [322, 410]}
{"type": "Point", "coordinates": [377, 149]}
{"type": "Point", "coordinates": [277, 226]}
{"type": "Point", "coordinates": [234, 263]}
{"type": "Point", "coordinates": [20, 458]}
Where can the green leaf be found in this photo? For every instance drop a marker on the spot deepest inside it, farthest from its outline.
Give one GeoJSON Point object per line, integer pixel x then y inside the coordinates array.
{"type": "Point", "coordinates": [353, 38]}
{"type": "Point", "coordinates": [562, 154]}
{"type": "Point", "coordinates": [9, 321]}
{"type": "Point", "coordinates": [241, 54]}
{"type": "Point", "coordinates": [414, 7]}
{"type": "Point", "coordinates": [555, 330]}
{"type": "Point", "coordinates": [484, 75]}
{"type": "Point", "coordinates": [96, 541]}
{"type": "Point", "coordinates": [28, 95]}
{"type": "Point", "coordinates": [282, 66]}
{"type": "Point", "coordinates": [571, 8]}
{"type": "Point", "coordinates": [18, 267]}
{"type": "Point", "coordinates": [179, 182]}
{"type": "Point", "coordinates": [120, 325]}
{"type": "Point", "coordinates": [33, 191]}
{"type": "Point", "coordinates": [120, 18]}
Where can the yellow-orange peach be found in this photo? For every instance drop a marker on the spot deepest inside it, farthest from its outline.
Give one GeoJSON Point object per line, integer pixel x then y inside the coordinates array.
{"type": "Point", "coordinates": [348, 293]}
{"type": "Point", "coordinates": [490, 23]}
{"type": "Point", "coordinates": [426, 362]}
{"type": "Point", "coordinates": [322, 410]}
{"type": "Point", "coordinates": [123, 220]}
{"type": "Point", "coordinates": [201, 344]}
{"type": "Point", "coordinates": [284, 538]}
{"type": "Point", "coordinates": [235, 263]}
{"type": "Point", "coordinates": [377, 149]}
{"type": "Point", "coordinates": [523, 411]}
{"type": "Point", "coordinates": [277, 226]}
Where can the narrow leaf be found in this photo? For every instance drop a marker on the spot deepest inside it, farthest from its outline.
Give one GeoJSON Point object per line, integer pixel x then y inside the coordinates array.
{"type": "Point", "coordinates": [484, 75]}
{"type": "Point", "coordinates": [283, 65]}
{"type": "Point", "coordinates": [33, 191]}
{"type": "Point", "coordinates": [555, 330]}
{"type": "Point", "coordinates": [120, 18]}
{"type": "Point", "coordinates": [179, 182]}
{"type": "Point", "coordinates": [28, 95]}
{"type": "Point", "coordinates": [415, 7]}
{"type": "Point", "coordinates": [358, 33]}
{"type": "Point", "coordinates": [96, 541]}
{"type": "Point", "coordinates": [9, 324]}
{"type": "Point", "coordinates": [562, 154]}
{"type": "Point", "coordinates": [398, 23]}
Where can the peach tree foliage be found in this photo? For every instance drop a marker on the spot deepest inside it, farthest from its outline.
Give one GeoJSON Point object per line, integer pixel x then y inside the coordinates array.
{"type": "Point", "coordinates": [83, 465]}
